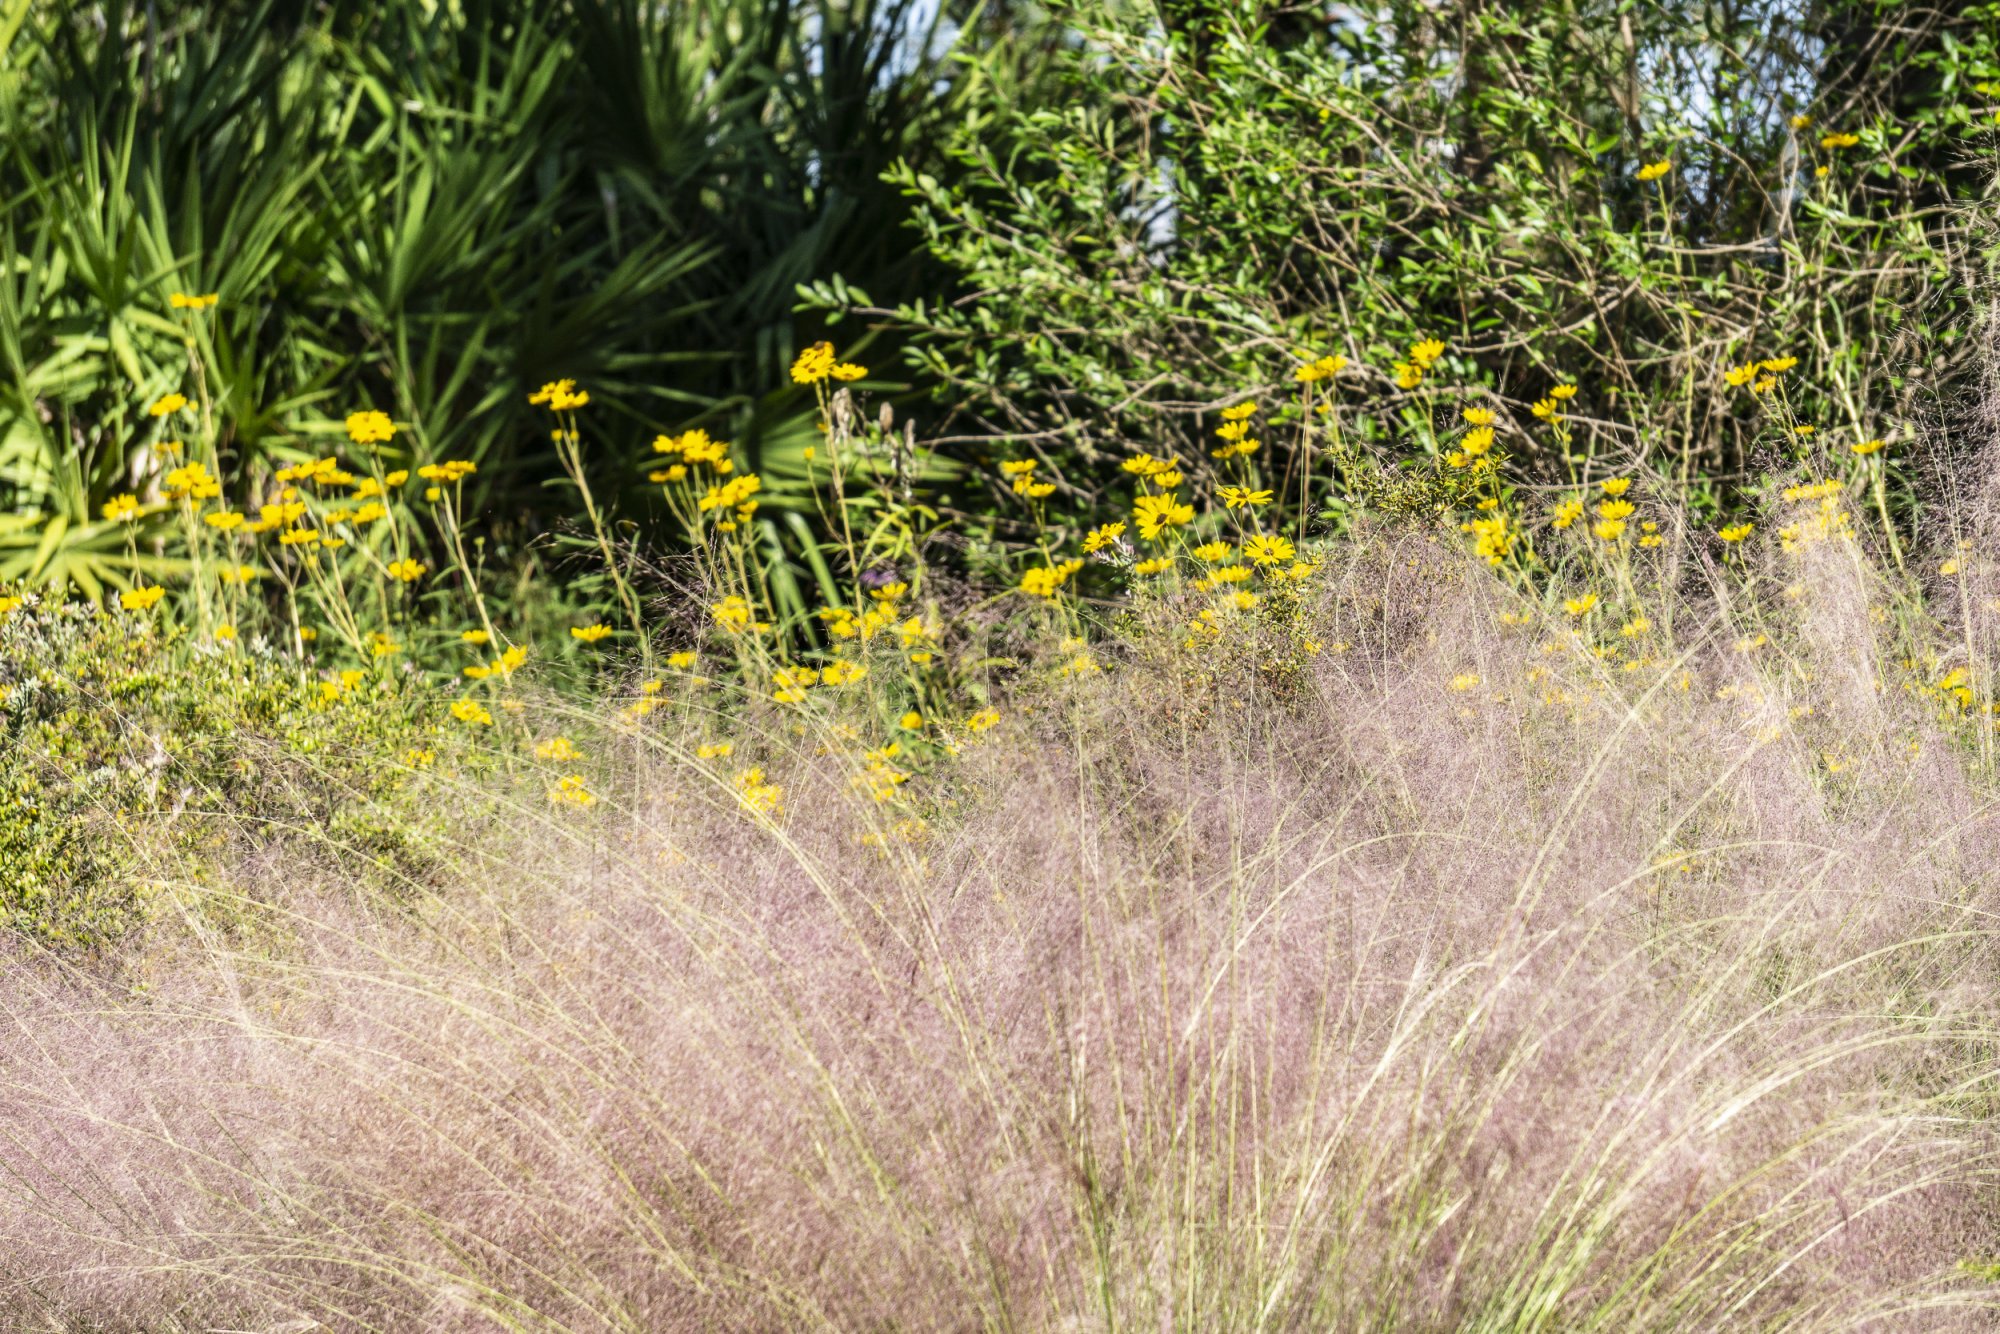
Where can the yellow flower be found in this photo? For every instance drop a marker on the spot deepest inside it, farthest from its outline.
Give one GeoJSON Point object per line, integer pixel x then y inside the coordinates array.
{"type": "Point", "coordinates": [1212, 552]}
{"type": "Point", "coordinates": [1156, 513]}
{"type": "Point", "coordinates": [560, 396]}
{"type": "Point", "coordinates": [847, 370]}
{"type": "Point", "coordinates": [1143, 464]}
{"type": "Point", "coordinates": [1617, 486]}
{"type": "Point", "coordinates": [1493, 540]}
{"type": "Point", "coordinates": [1546, 409]}
{"type": "Point", "coordinates": [681, 661]}
{"type": "Point", "coordinates": [1408, 375]}
{"type": "Point", "coordinates": [982, 720]}
{"type": "Point", "coordinates": [1464, 681]}
{"type": "Point", "coordinates": [911, 721]}
{"type": "Point", "coordinates": [1157, 565]}
{"type": "Point", "coordinates": [1839, 140]}
{"type": "Point", "coordinates": [734, 494]}
{"type": "Point", "coordinates": [1102, 536]}
{"type": "Point", "coordinates": [1608, 530]}
{"type": "Point", "coordinates": [1319, 368]}
{"type": "Point", "coordinates": [1869, 447]}
{"type": "Point", "coordinates": [570, 791]}
{"type": "Point", "coordinates": [1801, 121]}
{"type": "Point", "coordinates": [471, 711]}
{"type": "Point", "coordinates": [1736, 532]}
{"type": "Point", "coordinates": [1236, 497]}
{"type": "Point", "coordinates": [406, 570]}
{"type": "Point", "coordinates": [1478, 416]}
{"type": "Point", "coordinates": [1580, 606]}
{"type": "Point", "coordinates": [1568, 513]}
{"type": "Point", "coordinates": [1652, 171]}
{"type": "Point", "coordinates": [715, 750]}
{"type": "Point", "coordinates": [1614, 509]}
{"type": "Point", "coordinates": [1562, 393]}
{"type": "Point", "coordinates": [122, 509]}
{"type": "Point", "coordinates": [170, 403]}
{"type": "Point", "coordinates": [141, 599]}
{"type": "Point", "coordinates": [1738, 376]}
{"type": "Point", "coordinates": [1268, 550]}
{"type": "Point", "coordinates": [1425, 353]}
{"type": "Point", "coordinates": [184, 301]}
{"type": "Point", "coordinates": [1240, 412]}
{"type": "Point", "coordinates": [1043, 581]}
{"type": "Point", "coordinates": [736, 616]}
{"type": "Point", "coordinates": [756, 794]}
{"type": "Point", "coordinates": [370, 427]}
{"type": "Point", "coordinates": [1778, 365]}
{"type": "Point", "coordinates": [192, 481]}
{"type": "Point", "coordinates": [589, 634]}
{"type": "Point", "coordinates": [814, 364]}
{"type": "Point", "coordinates": [9, 605]}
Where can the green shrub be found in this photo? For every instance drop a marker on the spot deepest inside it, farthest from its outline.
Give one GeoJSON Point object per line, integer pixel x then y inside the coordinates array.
{"type": "Point", "coordinates": [128, 754]}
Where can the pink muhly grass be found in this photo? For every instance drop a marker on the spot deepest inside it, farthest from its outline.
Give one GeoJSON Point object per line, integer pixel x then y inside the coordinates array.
{"type": "Point", "coordinates": [1346, 1000]}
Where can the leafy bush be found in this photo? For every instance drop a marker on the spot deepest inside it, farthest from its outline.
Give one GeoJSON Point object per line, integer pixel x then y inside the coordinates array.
{"type": "Point", "coordinates": [1568, 192]}
{"type": "Point", "coordinates": [129, 754]}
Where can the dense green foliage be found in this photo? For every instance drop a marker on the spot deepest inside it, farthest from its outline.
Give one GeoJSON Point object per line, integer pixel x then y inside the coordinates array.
{"type": "Point", "coordinates": [1087, 225]}
{"type": "Point", "coordinates": [1221, 185]}
{"type": "Point", "coordinates": [128, 756]}
{"type": "Point", "coordinates": [429, 209]}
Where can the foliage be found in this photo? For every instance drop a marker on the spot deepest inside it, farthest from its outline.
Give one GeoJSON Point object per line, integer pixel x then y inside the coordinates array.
{"type": "Point", "coordinates": [128, 752]}
{"type": "Point", "coordinates": [427, 210]}
{"type": "Point", "coordinates": [1631, 199]}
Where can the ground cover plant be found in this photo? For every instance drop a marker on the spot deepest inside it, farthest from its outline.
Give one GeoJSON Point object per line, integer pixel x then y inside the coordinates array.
{"type": "Point", "coordinates": [1270, 776]}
